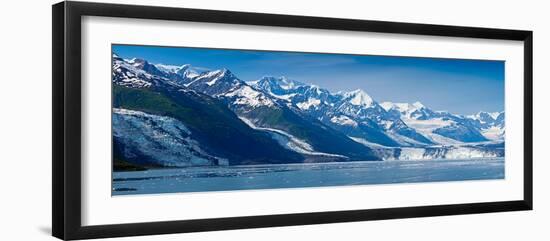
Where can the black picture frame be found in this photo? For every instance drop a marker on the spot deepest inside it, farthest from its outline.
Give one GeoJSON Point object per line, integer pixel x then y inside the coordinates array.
{"type": "Point", "coordinates": [66, 128]}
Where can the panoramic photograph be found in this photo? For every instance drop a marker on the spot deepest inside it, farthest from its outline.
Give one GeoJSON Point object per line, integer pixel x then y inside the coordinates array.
{"type": "Point", "coordinates": [187, 119]}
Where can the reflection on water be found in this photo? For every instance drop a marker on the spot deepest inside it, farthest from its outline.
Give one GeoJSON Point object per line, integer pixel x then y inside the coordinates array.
{"type": "Point", "coordinates": [202, 179]}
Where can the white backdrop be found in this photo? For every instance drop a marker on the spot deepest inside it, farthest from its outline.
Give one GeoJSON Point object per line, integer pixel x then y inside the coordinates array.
{"type": "Point", "coordinates": [101, 208]}
{"type": "Point", "coordinates": [25, 132]}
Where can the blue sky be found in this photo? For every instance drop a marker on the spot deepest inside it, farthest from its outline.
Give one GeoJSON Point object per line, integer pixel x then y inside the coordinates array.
{"type": "Point", "coordinates": [459, 86]}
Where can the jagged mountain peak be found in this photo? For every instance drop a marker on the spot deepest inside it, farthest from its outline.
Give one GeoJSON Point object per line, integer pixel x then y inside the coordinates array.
{"type": "Point", "coordinates": [403, 107]}
{"type": "Point", "coordinates": [189, 71]}
{"type": "Point", "coordinates": [483, 115]}
{"type": "Point", "coordinates": [218, 74]}
{"type": "Point", "coordinates": [387, 105]}
{"type": "Point", "coordinates": [137, 61]}
{"type": "Point", "coordinates": [117, 58]}
{"type": "Point", "coordinates": [282, 82]}
{"type": "Point", "coordinates": [216, 82]}
{"type": "Point", "coordinates": [359, 97]}
{"type": "Point", "coordinates": [416, 110]}
{"type": "Point", "coordinates": [488, 119]}
{"type": "Point", "coordinates": [168, 68]}
{"type": "Point", "coordinates": [417, 104]}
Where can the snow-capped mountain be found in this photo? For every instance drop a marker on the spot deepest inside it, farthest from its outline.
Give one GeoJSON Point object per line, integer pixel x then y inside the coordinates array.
{"type": "Point", "coordinates": [359, 98]}
{"type": "Point", "coordinates": [294, 121]}
{"type": "Point", "coordinates": [415, 110]}
{"type": "Point", "coordinates": [267, 112]}
{"type": "Point", "coordinates": [139, 73]}
{"type": "Point", "coordinates": [293, 93]}
{"type": "Point", "coordinates": [214, 82]}
{"type": "Point", "coordinates": [440, 126]}
{"type": "Point", "coordinates": [277, 86]}
{"type": "Point", "coordinates": [354, 113]}
{"type": "Point", "coordinates": [361, 106]}
{"type": "Point", "coordinates": [186, 70]}
{"type": "Point", "coordinates": [224, 85]}
{"type": "Point", "coordinates": [485, 117]}
{"type": "Point", "coordinates": [488, 119]}
{"type": "Point", "coordinates": [126, 74]}
{"type": "Point", "coordinates": [491, 124]}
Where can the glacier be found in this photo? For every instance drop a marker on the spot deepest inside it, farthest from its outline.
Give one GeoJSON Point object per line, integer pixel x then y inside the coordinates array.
{"type": "Point", "coordinates": [441, 152]}
{"type": "Point", "coordinates": [158, 140]}
{"type": "Point", "coordinates": [289, 141]}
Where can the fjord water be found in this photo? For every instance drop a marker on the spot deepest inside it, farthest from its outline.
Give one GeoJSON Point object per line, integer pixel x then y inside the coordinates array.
{"type": "Point", "coordinates": [204, 179]}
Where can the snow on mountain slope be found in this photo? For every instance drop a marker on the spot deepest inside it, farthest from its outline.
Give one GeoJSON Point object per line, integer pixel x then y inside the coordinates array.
{"type": "Point", "coordinates": [185, 71]}
{"type": "Point", "coordinates": [485, 117]}
{"type": "Point", "coordinates": [311, 102]}
{"type": "Point", "coordinates": [371, 119]}
{"type": "Point", "coordinates": [493, 133]}
{"type": "Point", "coordinates": [292, 91]}
{"type": "Point", "coordinates": [139, 73]}
{"type": "Point", "coordinates": [415, 110]}
{"type": "Point", "coordinates": [427, 128]}
{"type": "Point", "coordinates": [491, 124]}
{"type": "Point", "coordinates": [343, 120]}
{"type": "Point", "coordinates": [429, 125]}
{"type": "Point", "coordinates": [215, 82]}
{"type": "Point", "coordinates": [439, 126]}
{"type": "Point", "coordinates": [358, 97]}
{"type": "Point", "coordinates": [494, 114]}
{"type": "Point", "coordinates": [189, 71]}
{"type": "Point", "coordinates": [367, 143]}
{"type": "Point", "coordinates": [167, 68]}
{"type": "Point", "coordinates": [404, 140]}
{"type": "Point", "coordinates": [223, 84]}
{"type": "Point", "coordinates": [245, 95]}
{"type": "Point", "coordinates": [289, 141]}
{"type": "Point", "coordinates": [158, 140]}
{"type": "Point", "coordinates": [126, 74]}
{"type": "Point", "coordinates": [268, 111]}
{"type": "Point", "coordinates": [359, 106]}
{"type": "Point", "coordinates": [287, 98]}
{"type": "Point", "coordinates": [276, 86]}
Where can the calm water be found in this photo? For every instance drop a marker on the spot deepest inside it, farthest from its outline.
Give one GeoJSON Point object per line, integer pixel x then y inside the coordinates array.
{"type": "Point", "coordinates": [202, 179]}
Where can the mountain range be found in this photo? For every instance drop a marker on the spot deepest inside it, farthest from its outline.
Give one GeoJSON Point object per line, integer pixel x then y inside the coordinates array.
{"type": "Point", "coordinates": [181, 116]}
